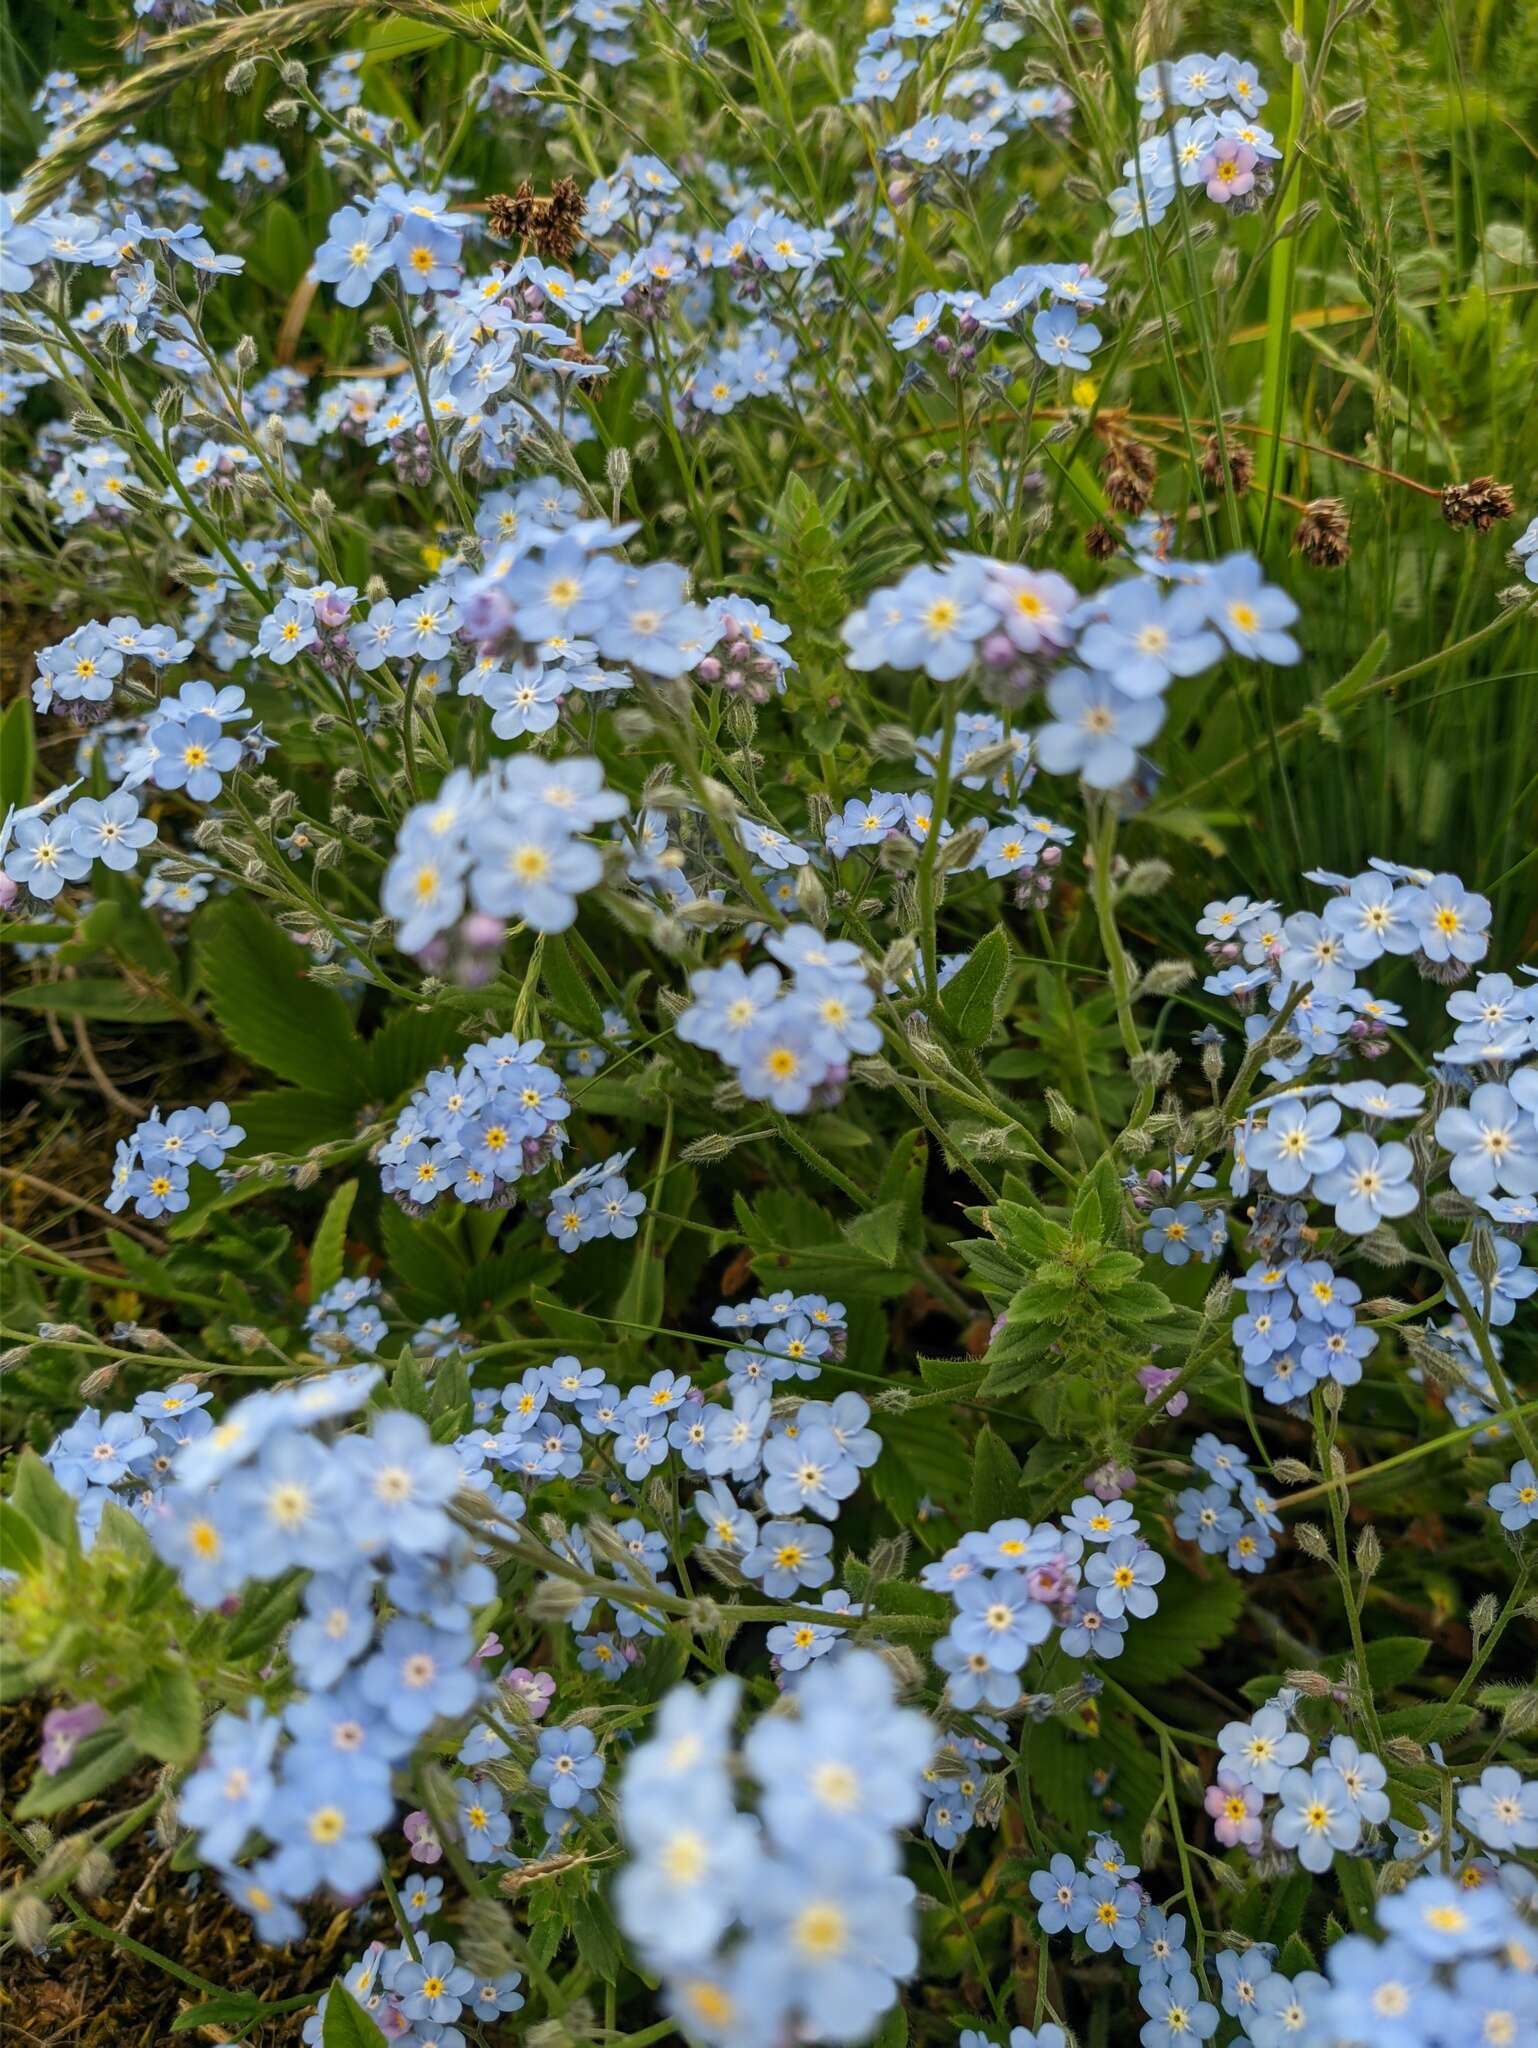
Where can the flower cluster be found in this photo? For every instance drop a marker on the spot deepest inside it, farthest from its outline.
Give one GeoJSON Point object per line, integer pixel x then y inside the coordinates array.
{"type": "Point", "coordinates": [1215, 139]}
{"type": "Point", "coordinates": [785, 1040]}
{"type": "Point", "coordinates": [509, 843]}
{"type": "Point", "coordinates": [752, 1928]}
{"type": "Point", "coordinates": [477, 1129]}
{"type": "Point", "coordinates": [1014, 1583]}
{"type": "Point", "coordinates": [154, 1164]}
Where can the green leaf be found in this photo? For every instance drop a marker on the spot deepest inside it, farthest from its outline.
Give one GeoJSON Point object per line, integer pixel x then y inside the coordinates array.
{"type": "Point", "coordinates": [233, 2011]}
{"type": "Point", "coordinates": [878, 1232]}
{"type": "Point", "coordinates": [1097, 1207]}
{"type": "Point", "coordinates": [112, 1000]}
{"type": "Point", "coordinates": [1194, 1616]}
{"type": "Point", "coordinates": [408, 1389]}
{"type": "Point", "coordinates": [1356, 1888]}
{"type": "Point", "coordinates": [40, 1497]}
{"type": "Point", "coordinates": [1392, 1659]}
{"type": "Point", "coordinates": [20, 1550]}
{"type": "Point", "coordinates": [18, 754]}
{"type": "Point", "coordinates": [954, 1375]}
{"type": "Point", "coordinates": [290, 1121]}
{"type": "Point", "coordinates": [969, 999]}
{"type": "Point", "coordinates": [404, 1051]}
{"type": "Point", "coordinates": [328, 1250]}
{"type": "Point", "coordinates": [100, 1761]}
{"type": "Point", "coordinates": [263, 1615]}
{"type": "Point", "coordinates": [996, 1492]}
{"type": "Point", "coordinates": [164, 1717]}
{"type": "Point", "coordinates": [574, 1001]}
{"type": "Point", "coordinates": [893, 2031]}
{"type": "Point", "coordinates": [422, 1257]}
{"type": "Point", "coordinates": [902, 1181]}
{"type": "Point", "coordinates": [267, 1008]}
{"type": "Point", "coordinates": [346, 2024]}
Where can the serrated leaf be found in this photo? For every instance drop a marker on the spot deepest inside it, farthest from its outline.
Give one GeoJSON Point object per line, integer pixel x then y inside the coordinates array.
{"type": "Point", "coordinates": [1194, 1616]}
{"type": "Point", "coordinates": [968, 1000]}
{"type": "Point", "coordinates": [990, 1265]}
{"type": "Point", "coordinates": [268, 1009]}
{"type": "Point", "coordinates": [422, 1257]}
{"type": "Point", "coordinates": [328, 1249]}
{"type": "Point", "coordinates": [878, 1232]}
{"type": "Point", "coordinates": [1098, 1204]}
{"type": "Point", "coordinates": [408, 1389]}
{"type": "Point", "coordinates": [952, 1374]}
{"type": "Point", "coordinates": [573, 1000]}
{"type": "Point", "coordinates": [116, 1001]}
{"type": "Point", "coordinates": [404, 1051]}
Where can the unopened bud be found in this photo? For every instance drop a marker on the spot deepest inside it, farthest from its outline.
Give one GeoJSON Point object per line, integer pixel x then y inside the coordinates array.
{"type": "Point", "coordinates": [1404, 1750]}
{"type": "Point", "coordinates": [1061, 1113]}
{"type": "Point", "coordinates": [1147, 878]}
{"type": "Point", "coordinates": [97, 1383]}
{"type": "Point", "coordinates": [31, 1924]}
{"type": "Point", "coordinates": [1369, 1552]}
{"type": "Point", "coordinates": [811, 896]}
{"type": "Point", "coordinates": [283, 113]}
{"type": "Point", "coordinates": [1309, 1538]}
{"type": "Point", "coordinates": [1166, 978]}
{"type": "Point", "coordinates": [1292, 1472]}
{"type": "Point", "coordinates": [240, 77]}
{"type": "Point", "coordinates": [1482, 1616]}
{"type": "Point", "coordinates": [1346, 115]}
{"type": "Point", "coordinates": [94, 1873]}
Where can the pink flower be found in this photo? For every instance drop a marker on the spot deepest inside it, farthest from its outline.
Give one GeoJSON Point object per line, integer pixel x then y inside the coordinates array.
{"type": "Point", "coordinates": [535, 1688]}
{"type": "Point", "coordinates": [1236, 1810]}
{"type": "Point", "coordinates": [63, 1732]}
{"type": "Point", "coordinates": [1153, 1379]}
{"type": "Point", "coordinates": [1111, 1480]}
{"type": "Point", "coordinates": [423, 1837]}
{"type": "Point", "coordinates": [1228, 168]}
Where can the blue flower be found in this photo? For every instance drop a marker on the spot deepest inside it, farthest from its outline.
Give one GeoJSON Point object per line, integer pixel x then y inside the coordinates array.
{"type": "Point", "coordinates": [1250, 613]}
{"type": "Point", "coordinates": [1062, 1895]}
{"type": "Point", "coordinates": [419, 1673]}
{"type": "Point", "coordinates": [1502, 1809]}
{"type": "Point", "coordinates": [1492, 1142]}
{"type": "Point", "coordinates": [228, 1796]}
{"type": "Point", "coordinates": [435, 1986]}
{"type": "Point", "coordinates": [1380, 1994]}
{"type": "Point", "coordinates": [483, 1826]}
{"type": "Point", "coordinates": [789, 1555]}
{"type": "Point", "coordinates": [1124, 1576]}
{"type": "Point", "coordinates": [1111, 1918]}
{"type": "Point", "coordinates": [1095, 729]}
{"type": "Point", "coordinates": [324, 1821]}
{"type": "Point", "coordinates": [337, 1627]}
{"type": "Point", "coordinates": [1515, 1498]}
{"type": "Point", "coordinates": [1178, 2015]}
{"type": "Point", "coordinates": [1371, 1182]}
{"type": "Point", "coordinates": [566, 1766]}
{"type": "Point", "coordinates": [1062, 339]}
{"type": "Point", "coordinates": [1317, 1815]}
{"type": "Point", "coordinates": [1142, 638]}
{"type": "Point", "coordinates": [1175, 1233]}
